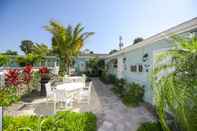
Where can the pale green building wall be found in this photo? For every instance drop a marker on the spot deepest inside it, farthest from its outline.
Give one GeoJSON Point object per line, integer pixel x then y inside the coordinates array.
{"type": "Point", "coordinates": [135, 57]}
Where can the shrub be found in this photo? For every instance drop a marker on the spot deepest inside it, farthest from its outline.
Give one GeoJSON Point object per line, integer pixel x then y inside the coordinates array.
{"type": "Point", "coordinates": [134, 95]}
{"type": "Point", "coordinates": [103, 77]}
{"type": "Point", "coordinates": [112, 79]}
{"type": "Point", "coordinates": [8, 96]}
{"type": "Point", "coordinates": [150, 126]}
{"type": "Point", "coordinates": [119, 87]}
{"type": "Point", "coordinates": [12, 77]}
{"type": "Point", "coordinates": [67, 121]}
{"type": "Point", "coordinates": [4, 59]}
{"type": "Point", "coordinates": [95, 67]}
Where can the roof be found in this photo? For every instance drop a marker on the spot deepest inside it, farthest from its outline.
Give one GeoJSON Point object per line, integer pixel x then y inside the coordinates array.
{"type": "Point", "coordinates": [89, 55]}
{"type": "Point", "coordinates": [181, 28]}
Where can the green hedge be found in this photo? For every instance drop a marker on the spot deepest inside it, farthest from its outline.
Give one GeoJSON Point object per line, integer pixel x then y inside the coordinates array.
{"type": "Point", "coordinates": [62, 121]}
{"type": "Point", "coordinates": [150, 126]}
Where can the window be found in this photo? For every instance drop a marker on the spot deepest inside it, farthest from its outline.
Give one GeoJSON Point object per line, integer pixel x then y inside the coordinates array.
{"type": "Point", "coordinates": [133, 68]}
{"type": "Point", "coordinates": [140, 68]}
{"type": "Point", "coordinates": [115, 63]}
{"type": "Point", "coordinates": [124, 63]}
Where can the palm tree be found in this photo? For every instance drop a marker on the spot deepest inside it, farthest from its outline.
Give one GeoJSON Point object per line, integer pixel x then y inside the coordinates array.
{"type": "Point", "coordinates": [176, 90]}
{"type": "Point", "coordinates": [67, 42]}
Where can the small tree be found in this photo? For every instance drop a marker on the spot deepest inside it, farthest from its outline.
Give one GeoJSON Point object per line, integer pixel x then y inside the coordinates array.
{"type": "Point", "coordinates": [26, 46]}
{"type": "Point", "coordinates": [66, 43]}
{"type": "Point", "coordinates": [137, 40]}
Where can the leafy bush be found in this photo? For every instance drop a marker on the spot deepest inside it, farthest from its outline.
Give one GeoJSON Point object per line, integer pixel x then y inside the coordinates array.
{"type": "Point", "coordinates": [36, 80]}
{"type": "Point", "coordinates": [108, 79]}
{"type": "Point", "coordinates": [95, 67]}
{"type": "Point", "coordinates": [120, 87]}
{"type": "Point", "coordinates": [150, 126]}
{"type": "Point", "coordinates": [8, 96]}
{"type": "Point", "coordinates": [4, 59]}
{"type": "Point", "coordinates": [28, 59]}
{"type": "Point", "coordinates": [103, 77]}
{"type": "Point", "coordinates": [134, 95]}
{"type": "Point", "coordinates": [67, 121]}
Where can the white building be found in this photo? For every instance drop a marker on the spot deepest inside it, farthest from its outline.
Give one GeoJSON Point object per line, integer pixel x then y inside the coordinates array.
{"type": "Point", "coordinates": [135, 62]}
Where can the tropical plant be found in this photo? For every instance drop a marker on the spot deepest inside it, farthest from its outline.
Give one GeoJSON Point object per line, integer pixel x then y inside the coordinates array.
{"type": "Point", "coordinates": [150, 126]}
{"type": "Point", "coordinates": [66, 43]}
{"type": "Point", "coordinates": [26, 46]}
{"type": "Point", "coordinates": [12, 77]}
{"type": "Point", "coordinates": [43, 70]}
{"type": "Point", "coordinates": [8, 96]}
{"type": "Point", "coordinates": [64, 121]}
{"type": "Point", "coordinates": [134, 95]}
{"type": "Point", "coordinates": [119, 87]}
{"type": "Point", "coordinates": [4, 59]}
{"type": "Point", "coordinates": [40, 49]}
{"type": "Point", "coordinates": [176, 89]}
{"type": "Point", "coordinates": [27, 76]}
{"type": "Point", "coordinates": [95, 67]}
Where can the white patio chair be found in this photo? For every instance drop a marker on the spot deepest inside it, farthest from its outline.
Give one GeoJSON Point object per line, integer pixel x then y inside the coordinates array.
{"type": "Point", "coordinates": [62, 98]}
{"type": "Point", "coordinates": [85, 94]}
{"type": "Point", "coordinates": [49, 92]}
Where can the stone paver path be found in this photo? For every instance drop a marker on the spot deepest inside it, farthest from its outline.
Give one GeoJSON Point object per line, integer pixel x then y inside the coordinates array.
{"type": "Point", "coordinates": [113, 115]}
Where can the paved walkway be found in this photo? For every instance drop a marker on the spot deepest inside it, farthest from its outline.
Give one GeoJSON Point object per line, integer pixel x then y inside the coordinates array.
{"type": "Point", "coordinates": [113, 115]}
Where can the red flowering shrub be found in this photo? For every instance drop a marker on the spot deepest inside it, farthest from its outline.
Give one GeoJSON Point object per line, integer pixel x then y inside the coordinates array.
{"type": "Point", "coordinates": [43, 70]}
{"type": "Point", "coordinates": [27, 74]}
{"type": "Point", "coordinates": [12, 77]}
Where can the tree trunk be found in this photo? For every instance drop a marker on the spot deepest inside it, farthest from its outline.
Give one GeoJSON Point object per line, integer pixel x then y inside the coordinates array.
{"type": "Point", "coordinates": [62, 67]}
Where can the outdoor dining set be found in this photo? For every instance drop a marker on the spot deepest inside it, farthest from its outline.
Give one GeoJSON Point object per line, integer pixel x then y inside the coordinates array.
{"type": "Point", "coordinates": [72, 90]}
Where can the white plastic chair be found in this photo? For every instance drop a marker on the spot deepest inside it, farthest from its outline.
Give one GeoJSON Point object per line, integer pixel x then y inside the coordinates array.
{"type": "Point", "coordinates": [61, 97]}
{"type": "Point", "coordinates": [49, 91]}
{"type": "Point", "coordinates": [85, 94]}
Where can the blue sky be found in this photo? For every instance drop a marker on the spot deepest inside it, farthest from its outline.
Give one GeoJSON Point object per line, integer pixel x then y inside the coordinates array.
{"type": "Point", "coordinates": [24, 19]}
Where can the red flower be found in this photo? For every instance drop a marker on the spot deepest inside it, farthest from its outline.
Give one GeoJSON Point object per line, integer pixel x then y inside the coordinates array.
{"type": "Point", "coordinates": [43, 70]}
{"type": "Point", "coordinates": [12, 77]}
{"type": "Point", "coordinates": [27, 73]}
{"type": "Point", "coordinates": [28, 69]}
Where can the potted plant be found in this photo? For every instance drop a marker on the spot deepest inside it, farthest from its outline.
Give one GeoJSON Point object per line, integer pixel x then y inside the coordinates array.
{"type": "Point", "coordinates": [44, 72]}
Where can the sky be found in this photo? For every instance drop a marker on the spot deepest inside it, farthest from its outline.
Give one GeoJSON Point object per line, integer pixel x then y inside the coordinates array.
{"type": "Point", "coordinates": [24, 20]}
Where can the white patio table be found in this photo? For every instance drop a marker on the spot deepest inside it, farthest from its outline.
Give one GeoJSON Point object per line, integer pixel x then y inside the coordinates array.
{"type": "Point", "coordinates": [70, 86]}
{"type": "Point", "coordinates": [70, 90]}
